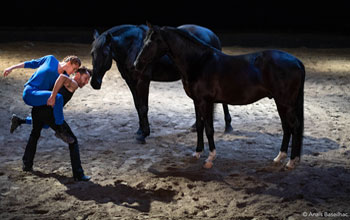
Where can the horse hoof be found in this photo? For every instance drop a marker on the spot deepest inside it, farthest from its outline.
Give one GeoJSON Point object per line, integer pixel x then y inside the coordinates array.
{"type": "Point", "coordinates": [280, 157]}
{"type": "Point", "coordinates": [208, 164]}
{"type": "Point", "coordinates": [212, 156]}
{"type": "Point", "coordinates": [193, 128]}
{"type": "Point", "coordinates": [209, 161]}
{"type": "Point", "coordinates": [140, 139]}
{"type": "Point", "coordinates": [138, 132]}
{"type": "Point", "coordinates": [228, 129]}
{"type": "Point", "coordinates": [293, 163]}
{"type": "Point", "coordinates": [196, 155]}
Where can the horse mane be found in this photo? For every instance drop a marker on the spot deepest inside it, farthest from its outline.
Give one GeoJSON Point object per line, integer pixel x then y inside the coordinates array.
{"type": "Point", "coordinates": [192, 38]}
{"type": "Point", "coordinates": [118, 29]}
{"type": "Point", "coordinates": [114, 31]}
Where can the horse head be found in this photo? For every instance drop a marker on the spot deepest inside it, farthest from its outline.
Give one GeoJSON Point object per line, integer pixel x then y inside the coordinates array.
{"type": "Point", "coordinates": [101, 53]}
{"type": "Point", "coordinates": [153, 48]}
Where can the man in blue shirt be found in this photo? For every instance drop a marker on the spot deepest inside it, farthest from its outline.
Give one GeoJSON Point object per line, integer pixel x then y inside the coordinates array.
{"type": "Point", "coordinates": [38, 88]}
{"type": "Point", "coordinates": [42, 116]}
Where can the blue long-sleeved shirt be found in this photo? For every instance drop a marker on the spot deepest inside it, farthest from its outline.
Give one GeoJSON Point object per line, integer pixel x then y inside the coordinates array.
{"type": "Point", "coordinates": [46, 75]}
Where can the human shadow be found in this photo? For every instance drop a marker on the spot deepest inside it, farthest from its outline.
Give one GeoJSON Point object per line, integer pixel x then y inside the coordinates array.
{"type": "Point", "coordinates": [119, 193]}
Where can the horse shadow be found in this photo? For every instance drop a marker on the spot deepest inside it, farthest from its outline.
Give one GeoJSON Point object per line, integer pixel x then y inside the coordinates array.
{"type": "Point", "coordinates": [119, 193]}
{"type": "Point", "coordinates": [250, 169]}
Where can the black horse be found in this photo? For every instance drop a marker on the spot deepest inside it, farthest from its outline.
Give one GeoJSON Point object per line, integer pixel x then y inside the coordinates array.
{"type": "Point", "coordinates": [122, 44]}
{"type": "Point", "coordinates": [210, 76]}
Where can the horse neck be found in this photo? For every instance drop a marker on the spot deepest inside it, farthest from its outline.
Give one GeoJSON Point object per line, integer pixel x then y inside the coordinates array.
{"type": "Point", "coordinates": [126, 43]}
{"type": "Point", "coordinates": [184, 52]}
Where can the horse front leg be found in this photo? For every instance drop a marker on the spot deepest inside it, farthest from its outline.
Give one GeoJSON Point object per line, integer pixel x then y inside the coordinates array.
{"type": "Point", "coordinates": [206, 110]}
{"type": "Point", "coordinates": [142, 89]}
{"type": "Point", "coordinates": [193, 127]}
{"type": "Point", "coordinates": [140, 92]}
{"type": "Point", "coordinates": [199, 128]}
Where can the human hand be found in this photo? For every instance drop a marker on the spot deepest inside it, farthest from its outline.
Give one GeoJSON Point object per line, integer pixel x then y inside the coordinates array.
{"type": "Point", "coordinates": [7, 71]}
{"type": "Point", "coordinates": [51, 101]}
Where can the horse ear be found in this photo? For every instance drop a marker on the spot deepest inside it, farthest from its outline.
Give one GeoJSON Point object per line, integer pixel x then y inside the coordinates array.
{"type": "Point", "coordinates": [149, 25]}
{"type": "Point", "coordinates": [96, 34]}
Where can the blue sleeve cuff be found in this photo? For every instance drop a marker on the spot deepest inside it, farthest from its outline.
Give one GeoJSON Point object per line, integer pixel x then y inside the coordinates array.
{"type": "Point", "coordinates": [27, 64]}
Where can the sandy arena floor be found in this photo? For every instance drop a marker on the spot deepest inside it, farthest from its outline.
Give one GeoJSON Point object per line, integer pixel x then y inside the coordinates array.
{"type": "Point", "coordinates": [159, 180]}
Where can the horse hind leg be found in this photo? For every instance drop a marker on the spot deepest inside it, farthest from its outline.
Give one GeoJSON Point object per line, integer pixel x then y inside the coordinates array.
{"type": "Point", "coordinates": [207, 112]}
{"type": "Point", "coordinates": [283, 113]}
{"type": "Point", "coordinates": [297, 137]}
{"type": "Point", "coordinates": [228, 127]}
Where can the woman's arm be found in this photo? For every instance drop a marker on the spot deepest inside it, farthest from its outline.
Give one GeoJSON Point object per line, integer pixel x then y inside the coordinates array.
{"type": "Point", "coordinates": [33, 64]}
{"type": "Point", "coordinates": [7, 71]}
{"type": "Point", "coordinates": [62, 79]}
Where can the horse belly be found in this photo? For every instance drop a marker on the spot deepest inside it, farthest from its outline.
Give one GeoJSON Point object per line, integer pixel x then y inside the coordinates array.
{"type": "Point", "coordinates": [248, 95]}
{"type": "Point", "coordinates": [165, 76]}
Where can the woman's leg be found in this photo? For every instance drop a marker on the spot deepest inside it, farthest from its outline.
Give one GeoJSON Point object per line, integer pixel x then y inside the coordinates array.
{"type": "Point", "coordinates": [34, 97]}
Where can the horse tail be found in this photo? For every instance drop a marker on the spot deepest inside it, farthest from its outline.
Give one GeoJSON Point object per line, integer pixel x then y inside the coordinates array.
{"type": "Point", "coordinates": [300, 97]}
{"type": "Point", "coordinates": [217, 42]}
{"type": "Point", "coordinates": [300, 109]}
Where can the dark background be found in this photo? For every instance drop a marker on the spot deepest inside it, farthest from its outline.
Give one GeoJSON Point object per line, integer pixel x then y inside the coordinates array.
{"type": "Point", "coordinates": [74, 21]}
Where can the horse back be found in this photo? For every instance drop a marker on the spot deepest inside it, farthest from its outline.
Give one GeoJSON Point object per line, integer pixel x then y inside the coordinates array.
{"type": "Point", "coordinates": [282, 73]}
{"type": "Point", "coordinates": [203, 34]}
{"type": "Point", "coordinates": [280, 65]}
{"type": "Point", "coordinates": [247, 78]}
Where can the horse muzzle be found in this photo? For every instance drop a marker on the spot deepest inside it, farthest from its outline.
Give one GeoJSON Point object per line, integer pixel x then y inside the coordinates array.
{"type": "Point", "coordinates": [96, 83]}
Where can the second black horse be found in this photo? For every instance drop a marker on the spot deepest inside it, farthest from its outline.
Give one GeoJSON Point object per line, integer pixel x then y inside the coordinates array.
{"type": "Point", "coordinates": [122, 44]}
{"type": "Point", "coordinates": [210, 76]}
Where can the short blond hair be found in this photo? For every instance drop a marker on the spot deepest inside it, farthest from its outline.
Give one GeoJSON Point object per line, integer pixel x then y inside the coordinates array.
{"type": "Point", "coordinates": [72, 59]}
